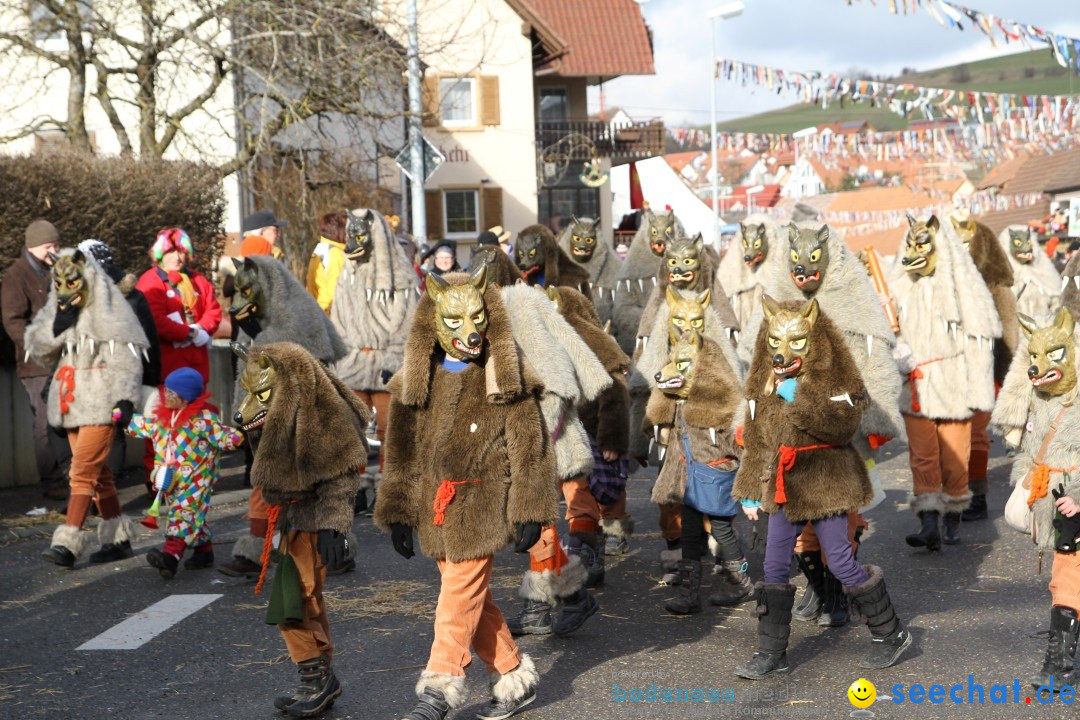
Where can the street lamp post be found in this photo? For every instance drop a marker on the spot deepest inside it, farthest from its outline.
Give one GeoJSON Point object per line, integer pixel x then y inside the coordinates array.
{"type": "Point", "coordinates": [723, 12]}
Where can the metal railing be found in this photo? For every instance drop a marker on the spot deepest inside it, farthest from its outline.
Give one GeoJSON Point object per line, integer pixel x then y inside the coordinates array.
{"type": "Point", "coordinates": [622, 142]}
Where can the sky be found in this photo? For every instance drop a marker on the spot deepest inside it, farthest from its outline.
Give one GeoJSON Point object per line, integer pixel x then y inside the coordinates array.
{"type": "Point", "coordinates": [824, 35]}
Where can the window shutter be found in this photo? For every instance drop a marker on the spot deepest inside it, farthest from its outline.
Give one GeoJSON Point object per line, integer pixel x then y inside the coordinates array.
{"type": "Point", "coordinates": [493, 207]}
{"type": "Point", "coordinates": [489, 99]}
{"type": "Point", "coordinates": [429, 95]}
{"type": "Point", "coordinates": [433, 204]}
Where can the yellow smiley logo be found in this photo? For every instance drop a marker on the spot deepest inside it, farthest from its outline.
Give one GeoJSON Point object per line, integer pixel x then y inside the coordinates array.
{"type": "Point", "coordinates": [862, 693]}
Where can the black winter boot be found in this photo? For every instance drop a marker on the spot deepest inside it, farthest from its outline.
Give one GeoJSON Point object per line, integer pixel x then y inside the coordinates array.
{"type": "Point", "coordinates": [165, 563]}
{"type": "Point", "coordinates": [952, 528]}
{"type": "Point", "coordinates": [1059, 665]}
{"type": "Point", "coordinates": [773, 612]}
{"type": "Point", "coordinates": [689, 600]}
{"type": "Point", "coordinates": [594, 566]}
{"type": "Point", "coordinates": [60, 555]}
{"type": "Point", "coordinates": [111, 552]}
{"type": "Point", "coordinates": [834, 608]}
{"type": "Point", "coordinates": [889, 637]}
{"type": "Point", "coordinates": [534, 619]}
{"type": "Point", "coordinates": [576, 609]}
{"type": "Point", "coordinates": [318, 689]}
{"type": "Point", "coordinates": [928, 537]}
{"type": "Point", "coordinates": [734, 584]}
{"type": "Point", "coordinates": [977, 510]}
{"type": "Point", "coordinates": [432, 706]}
{"type": "Point", "coordinates": [809, 607]}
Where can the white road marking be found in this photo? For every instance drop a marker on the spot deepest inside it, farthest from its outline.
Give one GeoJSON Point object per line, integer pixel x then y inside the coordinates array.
{"type": "Point", "coordinates": [147, 624]}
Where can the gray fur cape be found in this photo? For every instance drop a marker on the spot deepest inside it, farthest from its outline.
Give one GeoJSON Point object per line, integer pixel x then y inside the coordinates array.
{"type": "Point", "coordinates": [103, 348]}
{"type": "Point", "coordinates": [746, 285]}
{"type": "Point", "coordinates": [371, 310]}
{"type": "Point", "coordinates": [1036, 285]}
{"type": "Point", "coordinates": [603, 267]}
{"type": "Point", "coordinates": [637, 277]}
{"type": "Point", "coordinates": [1070, 285]}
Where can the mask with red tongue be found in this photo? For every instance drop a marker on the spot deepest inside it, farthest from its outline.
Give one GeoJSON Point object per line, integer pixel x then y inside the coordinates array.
{"type": "Point", "coordinates": [808, 246]}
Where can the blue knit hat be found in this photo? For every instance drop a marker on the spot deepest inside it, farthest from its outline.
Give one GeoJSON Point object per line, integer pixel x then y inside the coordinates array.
{"type": "Point", "coordinates": [185, 382]}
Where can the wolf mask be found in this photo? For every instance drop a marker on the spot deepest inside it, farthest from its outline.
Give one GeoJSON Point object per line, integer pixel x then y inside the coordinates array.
{"type": "Point", "coordinates": [662, 230]}
{"type": "Point", "coordinates": [1020, 246]}
{"type": "Point", "coordinates": [789, 335]}
{"type": "Point", "coordinates": [966, 229]}
{"type": "Point", "coordinates": [920, 253]}
{"type": "Point", "coordinates": [529, 253]}
{"type": "Point", "coordinates": [1052, 353]}
{"type": "Point", "coordinates": [460, 314]}
{"type": "Point", "coordinates": [677, 377]}
{"type": "Point", "coordinates": [584, 234]}
{"type": "Point", "coordinates": [686, 311]}
{"type": "Point", "coordinates": [258, 381]}
{"type": "Point", "coordinates": [809, 256]}
{"type": "Point", "coordinates": [69, 279]}
{"type": "Point", "coordinates": [358, 243]}
{"type": "Point", "coordinates": [249, 300]}
{"type": "Point", "coordinates": [682, 260]}
{"type": "Point", "coordinates": [754, 243]}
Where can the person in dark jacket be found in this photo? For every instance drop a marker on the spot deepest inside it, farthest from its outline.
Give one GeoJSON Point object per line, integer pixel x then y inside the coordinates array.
{"type": "Point", "coordinates": [24, 291]}
{"type": "Point", "coordinates": [445, 252]}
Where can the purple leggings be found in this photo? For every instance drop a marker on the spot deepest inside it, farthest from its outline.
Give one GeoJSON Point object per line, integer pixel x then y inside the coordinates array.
{"type": "Point", "coordinates": [832, 533]}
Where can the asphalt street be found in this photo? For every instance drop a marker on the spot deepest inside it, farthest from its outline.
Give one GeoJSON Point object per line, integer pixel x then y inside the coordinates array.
{"type": "Point", "coordinates": [972, 610]}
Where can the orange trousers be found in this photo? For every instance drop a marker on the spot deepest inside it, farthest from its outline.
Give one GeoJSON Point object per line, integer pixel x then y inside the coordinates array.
{"type": "Point", "coordinates": [980, 452]}
{"type": "Point", "coordinates": [379, 401]}
{"type": "Point", "coordinates": [938, 452]}
{"type": "Point", "coordinates": [90, 473]}
{"type": "Point", "coordinates": [547, 553]}
{"type": "Point", "coordinates": [311, 638]}
{"type": "Point", "coordinates": [1065, 580]}
{"type": "Point", "coordinates": [808, 539]}
{"type": "Point", "coordinates": [671, 521]}
{"type": "Point", "coordinates": [582, 510]}
{"type": "Point", "coordinates": [616, 510]}
{"type": "Point", "coordinates": [467, 617]}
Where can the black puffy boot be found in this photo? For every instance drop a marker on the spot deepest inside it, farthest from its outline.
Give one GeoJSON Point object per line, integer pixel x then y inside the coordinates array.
{"type": "Point", "coordinates": [773, 610]}
{"type": "Point", "coordinates": [809, 607]}
{"type": "Point", "coordinates": [928, 537]}
{"type": "Point", "coordinates": [689, 600]}
{"type": "Point", "coordinates": [318, 689]}
{"type": "Point", "coordinates": [432, 706]}
{"type": "Point", "coordinates": [889, 637]}
{"type": "Point", "coordinates": [952, 528]}
{"type": "Point", "coordinates": [977, 510]}
{"type": "Point", "coordinates": [534, 619]}
{"type": "Point", "coordinates": [1059, 665]}
{"type": "Point", "coordinates": [834, 608]}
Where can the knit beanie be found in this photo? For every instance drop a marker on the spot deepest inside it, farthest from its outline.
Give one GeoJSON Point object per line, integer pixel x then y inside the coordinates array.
{"type": "Point", "coordinates": [255, 245]}
{"type": "Point", "coordinates": [41, 232]}
{"type": "Point", "coordinates": [185, 382]}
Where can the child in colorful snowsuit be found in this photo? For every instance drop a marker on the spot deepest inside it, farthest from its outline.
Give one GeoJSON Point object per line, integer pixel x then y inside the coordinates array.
{"type": "Point", "coordinates": [188, 437]}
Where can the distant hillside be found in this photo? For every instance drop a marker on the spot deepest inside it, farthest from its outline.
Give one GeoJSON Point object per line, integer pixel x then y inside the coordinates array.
{"type": "Point", "coordinates": [1033, 72]}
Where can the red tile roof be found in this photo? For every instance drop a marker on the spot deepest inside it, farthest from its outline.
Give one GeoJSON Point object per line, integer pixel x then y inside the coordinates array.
{"type": "Point", "coordinates": [766, 197]}
{"type": "Point", "coordinates": [604, 38]}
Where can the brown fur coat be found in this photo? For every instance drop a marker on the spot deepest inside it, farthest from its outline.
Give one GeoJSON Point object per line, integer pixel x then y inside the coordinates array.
{"type": "Point", "coordinates": [607, 418]}
{"type": "Point", "coordinates": [992, 263]}
{"type": "Point", "coordinates": [482, 425]}
{"type": "Point", "coordinates": [822, 482]}
{"type": "Point", "coordinates": [715, 394]}
{"type": "Point", "coordinates": [312, 448]}
{"type": "Point", "coordinates": [709, 279]}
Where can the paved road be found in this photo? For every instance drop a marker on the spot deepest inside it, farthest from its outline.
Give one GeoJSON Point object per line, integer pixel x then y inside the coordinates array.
{"type": "Point", "coordinates": [971, 609]}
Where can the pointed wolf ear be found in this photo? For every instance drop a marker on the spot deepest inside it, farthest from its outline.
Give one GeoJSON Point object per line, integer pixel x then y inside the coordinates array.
{"type": "Point", "coordinates": [265, 361]}
{"type": "Point", "coordinates": [240, 351]}
{"type": "Point", "coordinates": [910, 219]}
{"type": "Point", "coordinates": [553, 294]}
{"type": "Point", "coordinates": [933, 223]}
{"type": "Point", "coordinates": [792, 233]}
{"type": "Point", "coordinates": [958, 224]}
{"type": "Point", "coordinates": [1027, 324]}
{"type": "Point", "coordinates": [53, 257]}
{"type": "Point", "coordinates": [250, 266]}
{"type": "Point", "coordinates": [699, 242]}
{"type": "Point", "coordinates": [78, 257]}
{"type": "Point", "coordinates": [478, 279]}
{"type": "Point", "coordinates": [742, 228]}
{"type": "Point", "coordinates": [574, 220]}
{"type": "Point", "coordinates": [704, 297]}
{"type": "Point", "coordinates": [769, 306]}
{"type": "Point", "coordinates": [761, 231]}
{"type": "Point", "coordinates": [435, 285]}
{"type": "Point", "coordinates": [672, 295]}
{"type": "Point", "coordinates": [811, 311]}
{"type": "Point", "coordinates": [823, 234]}
{"type": "Point", "coordinates": [1064, 320]}
{"type": "Point", "coordinates": [237, 263]}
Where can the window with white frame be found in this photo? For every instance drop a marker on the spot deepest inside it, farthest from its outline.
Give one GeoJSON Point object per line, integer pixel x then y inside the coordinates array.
{"type": "Point", "coordinates": [458, 101]}
{"type": "Point", "coordinates": [462, 208]}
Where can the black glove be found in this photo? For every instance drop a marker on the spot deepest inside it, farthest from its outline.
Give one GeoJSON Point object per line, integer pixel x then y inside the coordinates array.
{"type": "Point", "coordinates": [64, 319]}
{"type": "Point", "coordinates": [528, 534]}
{"type": "Point", "coordinates": [333, 547]}
{"type": "Point", "coordinates": [251, 326]}
{"type": "Point", "coordinates": [385, 375]}
{"type": "Point", "coordinates": [401, 536]}
{"type": "Point", "coordinates": [122, 413]}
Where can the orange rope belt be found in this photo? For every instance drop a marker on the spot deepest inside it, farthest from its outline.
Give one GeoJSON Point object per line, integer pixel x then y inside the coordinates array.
{"type": "Point", "coordinates": [268, 542]}
{"type": "Point", "coordinates": [444, 496]}
{"type": "Point", "coordinates": [786, 462]}
{"type": "Point", "coordinates": [914, 375]}
{"type": "Point", "coordinates": [65, 375]}
{"type": "Point", "coordinates": [1040, 481]}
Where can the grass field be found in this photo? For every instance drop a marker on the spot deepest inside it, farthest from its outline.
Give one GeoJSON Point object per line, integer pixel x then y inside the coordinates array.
{"type": "Point", "coordinates": [1033, 72]}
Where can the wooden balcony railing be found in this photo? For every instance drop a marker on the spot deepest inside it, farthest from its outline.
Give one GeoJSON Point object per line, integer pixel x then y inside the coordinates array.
{"type": "Point", "coordinates": [620, 142]}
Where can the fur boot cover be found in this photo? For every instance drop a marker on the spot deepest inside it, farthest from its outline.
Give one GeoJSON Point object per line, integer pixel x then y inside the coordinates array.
{"type": "Point", "coordinates": [116, 530]}
{"type": "Point", "coordinates": [98, 359]}
{"type": "Point", "coordinates": [451, 686]}
{"type": "Point", "coordinates": [482, 425]}
{"type": "Point", "coordinates": [617, 528]}
{"type": "Point", "coordinates": [70, 537]}
{"type": "Point", "coordinates": [371, 309]}
{"type": "Point", "coordinates": [996, 270]}
{"type": "Point", "coordinates": [744, 284]}
{"type": "Point", "coordinates": [848, 298]}
{"type": "Point", "coordinates": [546, 586]}
{"type": "Point", "coordinates": [933, 502]}
{"type": "Point", "coordinates": [949, 322]}
{"type": "Point", "coordinates": [637, 276]}
{"type": "Point", "coordinates": [603, 268]}
{"type": "Point", "coordinates": [956, 503]}
{"type": "Point", "coordinates": [248, 547]}
{"type": "Point", "coordinates": [516, 684]}
{"type": "Point", "coordinates": [707, 413]}
{"type": "Point", "coordinates": [1036, 285]}
{"type": "Point", "coordinates": [568, 369]}
{"type": "Point", "coordinates": [313, 445]}
{"type": "Point", "coordinates": [827, 409]}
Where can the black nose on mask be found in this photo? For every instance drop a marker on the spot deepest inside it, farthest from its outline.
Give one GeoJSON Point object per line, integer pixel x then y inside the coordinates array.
{"type": "Point", "coordinates": [658, 376]}
{"type": "Point", "coordinates": [1033, 371]}
{"type": "Point", "coordinates": [238, 418]}
{"type": "Point", "coordinates": [747, 258]}
{"type": "Point", "coordinates": [474, 340]}
{"type": "Point", "coordinates": [778, 360]}
{"type": "Point", "coordinates": [905, 261]}
{"type": "Point", "coordinates": [800, 270]}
